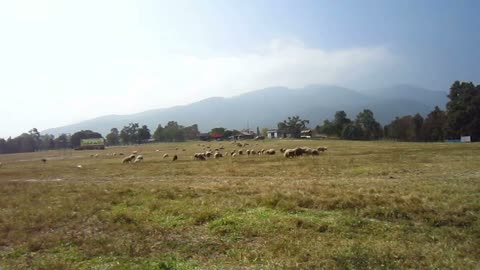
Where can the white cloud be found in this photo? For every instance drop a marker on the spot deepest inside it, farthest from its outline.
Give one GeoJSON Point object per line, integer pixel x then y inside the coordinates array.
{"type": "Point", "coordinates": [284, 63]}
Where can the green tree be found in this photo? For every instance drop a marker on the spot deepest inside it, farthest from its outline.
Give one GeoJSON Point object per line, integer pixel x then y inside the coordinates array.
{"type": "Point", "coordinates": [46, 142]}
{"type": "Point", "coordinates": [113, 138]}
{"type": "Point", "coordinates": [158, 135]}
{"type": "Point", "coordinates": [191, 132]}
{"type": "Point", "coordinates": [294, 125]}
{"type": "Point", "coordinates": [417, 126]}
{"type": "Point", "coordinates": [352, 132]}
{"type": "Point", "coordinates": [129, 134]}
{"type": "Point", "coordinates": [463, 110]}
{"type": "Point", "coordinates": [402, 129]}
{"type": "Point", "coordinates": [340, 121]}
{"type": "Point", "coordinates": [143, 134]}
{"type": "Point", "coordinates": [434, 127]}
{"type": "Point", "coordinates": [327, 128]}
{"type": "Point", "coordinates": [372, 130]}
{"type": "Point", "coordinates": [62, 141]}
{"type": "Point", "coordinates": [174, 132]}
{"type": "Point", "coordinates": [36, 138]}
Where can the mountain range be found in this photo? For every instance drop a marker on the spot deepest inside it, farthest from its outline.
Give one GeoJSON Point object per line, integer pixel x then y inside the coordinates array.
{"type": "Point", "coordinates": [267, 107]}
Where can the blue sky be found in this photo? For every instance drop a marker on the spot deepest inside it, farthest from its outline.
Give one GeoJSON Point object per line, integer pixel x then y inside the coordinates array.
{"type": "Point", "coordinates": [67, 61]}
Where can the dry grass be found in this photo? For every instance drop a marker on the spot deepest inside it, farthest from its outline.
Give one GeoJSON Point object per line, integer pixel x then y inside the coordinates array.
{"type": "Point", "coordinates": [360, 205]}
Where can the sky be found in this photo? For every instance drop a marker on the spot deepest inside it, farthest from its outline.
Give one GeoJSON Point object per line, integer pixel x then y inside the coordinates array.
{"type": "Point", "coordinates": [62, 62]}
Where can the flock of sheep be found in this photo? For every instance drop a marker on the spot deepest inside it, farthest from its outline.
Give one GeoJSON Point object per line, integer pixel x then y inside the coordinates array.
{"type": "Point", "coordinates": [217, 153]}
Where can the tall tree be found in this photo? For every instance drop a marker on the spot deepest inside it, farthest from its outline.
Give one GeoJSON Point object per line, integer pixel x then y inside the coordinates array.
{"type": "Point", "coordinates": [144, 134]}
{"type": "Point", "coordinates": [340, 121]}
{"type": "Point", "coordinates": [417, 126]}
{"type": "Point", "coordinates": [158, 135]}
{"type": "Point", "coordinates": [372, 130]}
{"type": "Point", "coordinates": [294, 125]}
{"type": "Point", "coordinates": [352, 132]}
{"type": "Point", "coordinates": [129, 134]}
{"type": "Point", "coordinates": [62, 141]}
{"type": "Point", "coordinates": [434, 127]}
{"type": "Point", "coordinates": [191, 132]}
{"type": "Point", "coordinates": [402, 129]}
{"type": "Point", "coordinates": [328, 128]}
{"type": "Point", "coordinates": [113, 138]}
{"type": "Point", "coordinates": [36, 138]}
{"type": "Point", "coordinates": [463, 110]}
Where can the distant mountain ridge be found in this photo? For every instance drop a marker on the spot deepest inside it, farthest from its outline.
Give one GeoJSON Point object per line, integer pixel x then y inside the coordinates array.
{"type": "Point", "coordinates": [266, 107]}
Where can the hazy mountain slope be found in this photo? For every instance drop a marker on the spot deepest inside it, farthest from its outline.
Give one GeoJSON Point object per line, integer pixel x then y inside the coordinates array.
{"type": "Point", "coordinates": [266, 107]}
{"type": "Point", "coordinates": [408, 92]}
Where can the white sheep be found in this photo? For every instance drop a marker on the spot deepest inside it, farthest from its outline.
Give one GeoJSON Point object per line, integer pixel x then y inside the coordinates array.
{"type": "Point", "coordinates": [139, 158]}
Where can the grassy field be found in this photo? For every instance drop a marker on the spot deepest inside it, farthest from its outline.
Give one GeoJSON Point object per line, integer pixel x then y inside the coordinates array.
{"type": "Point", "coordinates": [360, 205]}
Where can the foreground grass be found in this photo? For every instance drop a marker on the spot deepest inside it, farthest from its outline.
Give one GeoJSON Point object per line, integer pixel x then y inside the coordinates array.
{"type": "Point", "coordinates": [361, 205]}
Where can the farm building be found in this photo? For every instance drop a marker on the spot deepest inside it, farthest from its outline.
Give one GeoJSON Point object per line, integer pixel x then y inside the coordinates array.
{"type": "Point", "coordinates": [243, 135]}
{"type": "Point", "coordinates": [93, 143]}
{"type": "Point", "coordinates": [306, 134]}
{"type": "Point", "coordinates": [278, 133]}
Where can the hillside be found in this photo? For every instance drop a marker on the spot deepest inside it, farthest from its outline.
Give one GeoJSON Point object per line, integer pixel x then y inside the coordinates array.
{"type": "Point", "coordinates": [266, 107]}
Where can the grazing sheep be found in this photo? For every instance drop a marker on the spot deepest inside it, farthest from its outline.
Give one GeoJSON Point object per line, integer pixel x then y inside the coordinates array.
{"type": "Point", "coordinates": [174, 157]}
{"type": "Point", "coordinates": [44, 160]}
{"type": "Point", "coordinates": [91, 155]}
{"type": "Point", "coordinates": [120, 154]}
{"type": "Point", "coordinates": [176, 148]}
{"type": "Point", "coordinates": [134, 152]}
{"type": "Point", "coordinates": [298, 151]}
{"type": "Point", "coordinates": [217, 155]}
{"type": "Point", "coordinates": [253, 152]}
{"type": "Point", "coordinates": [315, 152]}
{"type": "Point", "coordinates": [322, 148]}
{"type": "Point", "coordinates": [165, 155]}
{"type": "Point", "coordinates": [289, 153]}
{"type": "Point", "coordinates": [234, 154]}
{"type": "Point", "coordinates": [157, 150]}
{"type": "Point", "coordinates": [240, 152]}
{"type": "Point", "coordinates": [79, 166]}
{"type": "Point", "coordinates": [248, 152]}
{"type": "Point", "coordinates": [96, 155]}
{"type": "Point", "coordinates": [128, 159]}
{"type": "Point", "coordinates": [208, 154]}
{"type": "Point", "coordinates": [199, 156]}
{"type": "Point", "coordinates": [184, 150]}
{"type": "Point", "coordinates": [139, 158]}
{"type": "Point", "coordinates": [270, 152]}
{"type": "Point", "coordinates": [221, 147]}
{"type": "Point", "coordinates": [225, 154]}
{"type": "Point", "coordinates": [282, 150]}
{"type": "Point", "coordinates": [114, 154]}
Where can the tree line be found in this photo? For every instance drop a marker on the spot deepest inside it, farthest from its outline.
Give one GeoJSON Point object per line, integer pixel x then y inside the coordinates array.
{"type": "Point", "coordinates": [462, 117]}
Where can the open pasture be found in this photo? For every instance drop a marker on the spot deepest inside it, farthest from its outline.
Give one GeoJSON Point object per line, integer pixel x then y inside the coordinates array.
{"type": "Point", "coordinates": [359, 205]}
